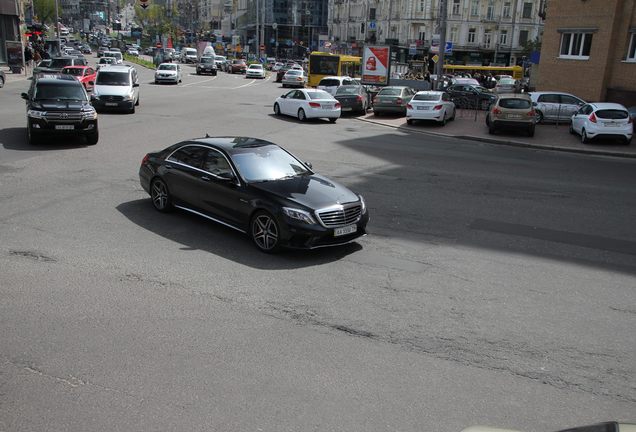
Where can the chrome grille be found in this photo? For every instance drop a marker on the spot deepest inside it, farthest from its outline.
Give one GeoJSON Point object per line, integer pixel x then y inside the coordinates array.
{"type": "Point", "coordinates": [63, 116]}
{"type": "Point", "coordinates": [346, 215]}
{"type": "Point", "coordinates": [113, 98]}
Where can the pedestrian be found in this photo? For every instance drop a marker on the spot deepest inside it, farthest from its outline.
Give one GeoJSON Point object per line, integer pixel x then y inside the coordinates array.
{"type": "Point", "coordinates": [36, 57]}
{"type": "Point", "coordinates": [28, 57]}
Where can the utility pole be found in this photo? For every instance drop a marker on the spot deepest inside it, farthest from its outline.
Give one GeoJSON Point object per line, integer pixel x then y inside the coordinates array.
{"type": "Point", "coordinates": [442, 38]}
{"type": "Point", "coordinates": [57, 28]}
{"type": "Point", "coordinates": [257, 35]}
{"type": "Point", "coordinates": [262, 34]}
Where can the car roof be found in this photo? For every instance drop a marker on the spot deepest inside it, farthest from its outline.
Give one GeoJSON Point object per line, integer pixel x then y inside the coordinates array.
{"type": "Point", "coordinates": [433, 92]}
{"type": "Point", "coordinates": [607, 105]}
{"type": "Point", "coordinates": [514, 96]}
{"type": "Point", "coordinates": [116, 68]}
{"type": "Point", "coordinates": [336, 77]}
{"type": "Point", "coordinates": [230, 144]}
{"type": "Point", "coordinates": [63, 79]}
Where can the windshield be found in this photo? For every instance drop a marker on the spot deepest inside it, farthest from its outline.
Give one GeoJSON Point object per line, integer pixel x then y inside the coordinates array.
{"type": "Point", "coordinates": [206, 60]}
{"type": "Point", "coordinates": [612, 114]}
{"type": "Point", "coordinates": [106, 60]}
{"type": "Point", "coordinates": [324, 65]}
{"type": "Point", "coordinates": [172, 67]}
{"type": "Point", "coordinates": [427, 97]}
{"type": "Point", "coordinates": [329, 82]}
{"type": "Point", "coordinates": [293, 72]}
{"type": "Point", "coordinates": [514, 103]}
{"type": "Point", "coordinates": [390, 92]}
{"type": "Point", "coordinates": [59, 92]}
{"type": "Point", "coordinates": [266, 163]}
{"type": "Point", "coordinates": [506, 81]}
{"type": "Point", "coordinates": [73, 71]}
{"type": "Point", "coordinates": [348, 90]}
{"type": "Point", "coordinates": [256, 66]}
{"type": "Point", "coordinates": [59, 63]}
{"type": "Point", "coordinates": [319, 95]}
{"type": "Point", "coordinates": [112, 78]}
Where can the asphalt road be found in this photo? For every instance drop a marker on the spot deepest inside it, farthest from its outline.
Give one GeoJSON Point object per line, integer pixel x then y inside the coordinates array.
{"type": "Point", "coordinates": [497, 285]}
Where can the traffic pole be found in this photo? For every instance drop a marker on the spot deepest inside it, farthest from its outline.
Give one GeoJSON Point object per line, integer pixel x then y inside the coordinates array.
{"type": "Point", "coordinates": [439, 67]}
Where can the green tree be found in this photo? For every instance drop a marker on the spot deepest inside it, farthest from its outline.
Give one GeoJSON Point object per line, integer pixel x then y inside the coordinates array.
{"type": "Point", "coordinates": [530, 46]}
{"type": "Point", "coordinates": [44, 10]}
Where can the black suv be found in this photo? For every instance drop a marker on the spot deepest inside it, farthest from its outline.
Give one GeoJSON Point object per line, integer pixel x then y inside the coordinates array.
{"type": "Point", "coordinates": [59, 105]}
{"type": "Point", "coordinates": [471, 96]}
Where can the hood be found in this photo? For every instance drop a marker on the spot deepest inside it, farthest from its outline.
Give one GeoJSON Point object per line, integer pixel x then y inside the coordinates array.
{"type": "Point", "coordinates": [166, 72]}
{"type": "Point", "coordinates": [109, 90]}
{"type": "Point", "coordinates": [313, 191]}
{"type": "Point", "coordinates": [65, 105]}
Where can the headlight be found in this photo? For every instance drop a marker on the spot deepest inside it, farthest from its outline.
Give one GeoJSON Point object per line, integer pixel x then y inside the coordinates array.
{"type": "Point", "coordinates": [128, 97]}
{"type": "Point", "coordinates": [36, 114]}
{"type": "Point", "coordinates": [299, 214]}
{"type": "Point", "coordinates": [364, 205]}
{"type": "Point", "coordinates": [89, 114]}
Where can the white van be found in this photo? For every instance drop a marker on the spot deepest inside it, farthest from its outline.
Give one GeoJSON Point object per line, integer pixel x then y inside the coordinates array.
{"type": "Point", "coordinates": [189, 55]}
{"type": "Point", "coordinates": [116, 55]}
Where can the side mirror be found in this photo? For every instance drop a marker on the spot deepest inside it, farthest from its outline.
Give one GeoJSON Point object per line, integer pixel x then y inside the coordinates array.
{"type": "Point", "coordinates": [24, 96]}
{"type": "Point", "coordinates": [136, 85]}
{"type": "Point", "coordinates": [534, 104]}
{"type": "Point", "coordinates": [309, 165]}
{"type": "Point", "coordinates": [284, 96]}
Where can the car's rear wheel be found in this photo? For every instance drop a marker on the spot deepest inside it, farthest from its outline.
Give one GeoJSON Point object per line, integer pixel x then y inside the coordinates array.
{"type": "Point", "coordinates": [265, 232]}
{"type": "Point", "coordinates": [409, 121]}
{"type": "Point", "coordinates": [333, 120]}
{"type": "Point", "coordinates": [301, 115]}
{"type": "Point", "coordinates": [160, 195]}
{"type": "Point", "coordinates": [584, 138]}
{"type": "Point", "coordinates": [276, 109]}
{"type": "Point", "coordinates": [444, 120]}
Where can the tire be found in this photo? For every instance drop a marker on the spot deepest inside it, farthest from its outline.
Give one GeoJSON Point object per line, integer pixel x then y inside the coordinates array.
{"type": "Point", "coordinates": [156, 82]}
{"type": "Point", "coordinates": [376, 114]}
{"type": "Point", "coordinates": [584, 138]}
{"type": "Point", "coordinates": [444, 120]}
{"type": "Point", "coordinates": [32, 139]}
{"type": "Point", "coordinates": [531, 131]}
{"type": "Point", "coordinates": [628, 141]}
{"type": "Point", "coordinates": [137, 103]}
{"type": "Point", "coordinates": [264, 232]}
{"type": "Point", "coordinates": [132, 110]}
{"type": "Point", "coordinates": [276, 109]}
{"type": "Point", "coordinates": [453, 116]}
{"type": "Point", "coordinates": [572, 129]}
{"type": "Point", "coordinates": [91, 139]}
{"type": "Point", "coordinates": [160, 196]}
{"type": "Point", "coordinates": [301, 115]}
{"type": "Point", "coordinates": [333, 120]}
{"type": "Point", "coordinates": [538, 115]}
{"type": "Point", "coordinates": [409, 121]}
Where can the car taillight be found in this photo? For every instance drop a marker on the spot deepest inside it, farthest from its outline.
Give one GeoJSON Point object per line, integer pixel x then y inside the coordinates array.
{"type": "Point", "coordinates": [409, 106]}
{"type": "Point", "coordinates": [337, 105]}
{"type": "Point", "coordinates": [496, 111]}
{"type": "Point", "coordinates": [314, 104]}
{"type": "Point", "coordinates": [531, 113]}
{"type": "Point", "coordinates": [359, 98]}
{"type": "Point", "coordinates": [299, 79]}
{"type": "Point", "coordinates": [438, 107]}
{"type": "Point", "coordinates": [144, 161]}
{"type": "Point", "coordinates": [399, 101]}
{"type": "Point", "coordinates": [592, 118]}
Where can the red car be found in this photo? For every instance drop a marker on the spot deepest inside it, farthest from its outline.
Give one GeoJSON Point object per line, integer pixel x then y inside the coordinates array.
{"type": "Point", "coordinates": [84, 74]}
{"type": "Point", "coordinates": [238, 66]}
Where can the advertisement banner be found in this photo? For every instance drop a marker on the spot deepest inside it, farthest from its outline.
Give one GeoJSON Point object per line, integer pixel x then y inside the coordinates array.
{"type": "Point", "coordinates": [376, 65]}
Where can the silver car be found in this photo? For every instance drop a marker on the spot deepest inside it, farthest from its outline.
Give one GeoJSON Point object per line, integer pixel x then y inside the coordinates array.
{"type": "Point", "coordinates": [555, 106]}
{"type": "Point", "coordinates": [294, 78]}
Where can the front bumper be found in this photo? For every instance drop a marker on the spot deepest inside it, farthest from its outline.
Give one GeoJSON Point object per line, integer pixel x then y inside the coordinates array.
{"type": "Point", "coordinates": [107, 104]}
{"type": "Point", "coordinates": [253, 75]}
{"type": "Point", "coordinates": [44, 127]}
{"type": "Point", "coordinates": [207, 71]}
{"type": "Point", "coordinates": [298, 235]}
{"type": "Point", "coordinates": [170, 78]}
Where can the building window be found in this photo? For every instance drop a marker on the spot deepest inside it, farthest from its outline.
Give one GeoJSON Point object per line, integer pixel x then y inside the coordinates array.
{"type": "Point", "coordinates": [474, 8]}
{"type": "Point", "coordinates": [576, 45]}
{"type": "Point", "coordinates": [523, 37]}
{"type": "Point", "coordinates": [371, 14]}
{"type": "Point", "coordinates": [490, 11]}
{"type": "Point", "coordinates": [503, 37]}
{"type": "Point", "coordinates": [527, 10]}
{"type": "Point", "coordinates": [471, 35]}
{"type": "Point", "coordinates": [422, 5]}
{"type": "Point", "coordinates": [422, 34]}
{"type": "Point", "coordinates": [631, 54]}
{"type": "Point", "coordinates": [456, 7]}
{"type": "Point", "coordinates": [487, 39]}
{"type": "Point", "coordinates": [453, 34]}
{"type": "Point", "coordinates": [506, 9]}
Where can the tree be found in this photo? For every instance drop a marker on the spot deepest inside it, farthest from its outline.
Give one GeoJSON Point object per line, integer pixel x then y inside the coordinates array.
{"type": "Point", "coordinates": [530, 46]}
{"type": "Point", "coordinates": [44, 10]}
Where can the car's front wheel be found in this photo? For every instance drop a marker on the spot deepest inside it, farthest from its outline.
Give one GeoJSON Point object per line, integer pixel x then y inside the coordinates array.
{"type": "Point", "coordinates": [91, 139]}
{"type": "Point", "coordinates": [265, 232]}
{"type": "Point", "coordinates": [584, 138]}
{"type": "Point", "coordinates": [301, 115]}
{"type": "Point", "coordinates": [32, 138]}
{"type": "Point", "coordinates": [276, 109]}
{"type": "Point", "coordinates": [160, 195]}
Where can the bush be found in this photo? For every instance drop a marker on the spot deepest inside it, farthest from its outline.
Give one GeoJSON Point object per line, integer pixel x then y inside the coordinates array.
{"type": "Point", "coordinates": [139, 61]}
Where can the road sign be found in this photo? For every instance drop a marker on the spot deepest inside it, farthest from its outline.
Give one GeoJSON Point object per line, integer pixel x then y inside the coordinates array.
{"type": "Point", "coordinates": [449, 48]}
{"type": "Point", "coordinates": [435, 58]}
{"type": "Point", "coordinates": [262, 47]}
{"type": "Point", "coordinates": [274, 26]}
{"type": "Point", "coordinates": [143, 3]}
{"type": "Point", "coordinates": [412, 49]}
{"type": "Point", "coordinates": [372, 25]}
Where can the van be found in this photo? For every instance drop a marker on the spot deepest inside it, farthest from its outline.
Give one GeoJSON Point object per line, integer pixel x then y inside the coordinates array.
{"type": "Point", "coordinates": [117, 88]}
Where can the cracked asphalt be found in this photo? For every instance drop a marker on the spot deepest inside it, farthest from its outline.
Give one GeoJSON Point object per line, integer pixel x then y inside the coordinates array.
{"type": "Point", "coordinates": [497, 285]}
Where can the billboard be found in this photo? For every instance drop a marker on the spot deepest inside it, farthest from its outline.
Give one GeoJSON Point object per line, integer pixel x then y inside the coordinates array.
{"type": "Point", "coordinates": [376, 65]}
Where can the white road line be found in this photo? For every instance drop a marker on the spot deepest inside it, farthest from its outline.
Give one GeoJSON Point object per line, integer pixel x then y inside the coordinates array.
{"type": "Point", "coordinates": [199, 82]}
{"type": "Point", "coordinates": [244, 85]}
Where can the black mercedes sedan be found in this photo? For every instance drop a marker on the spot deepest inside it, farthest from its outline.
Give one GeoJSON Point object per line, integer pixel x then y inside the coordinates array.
{"type": "Point", "coordinates": [257, 188]}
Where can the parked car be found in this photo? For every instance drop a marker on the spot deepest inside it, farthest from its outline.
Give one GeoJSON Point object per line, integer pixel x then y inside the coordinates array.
{"type": "Point", "coordinates": [392, 100]}
{"type": "Point", "coordinates": [207, 65]}
{"type": "Point", "coordinates": [507, 85]}
{"type": "Point", "coordinates": [602, 120]}
{"type": "Point", "coordinates": [57, 63]}
{"type": "Point", "coordinates": [59, 105]}
{"type": "Point", "coordinates": [168, 73]}
{"type": "Point", "coordinates": [308, 103]}
{"type": "Point", "coordinates": [254, 187]}
{"type": "Point", "coordinates": [189, 55]}
{"type": "Point", "coordinates": [237, 66]}
{"type": "Point", "coordinates": [116, 88]}
{"type": "Point", "coordinates": [331, 83]}
{"type": "Point", "coordinates": [220, 62]}
{"type": "Point", "coordinates": [555, 106]}
{"type": "Point", "coordinates": [353, 98]}
{"type": "Point", "coordinates": [255, 70]}
{"type": "Point", "coordinates": [632, 112]}
{"type": "Point", "coordinates": [512, 111]}
{"type": "Point", "coordinates": [294, 78]}
{"type": "Point", "coordinates": [84, 74]}
{"type": "Point", "coordinates": [2, 79]}
{"type": "Point", "coordinates": [430, 105]}
{"type": "Point", "coordinates": [471, 96]}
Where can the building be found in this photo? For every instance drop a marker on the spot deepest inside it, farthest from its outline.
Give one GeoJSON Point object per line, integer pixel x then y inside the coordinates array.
{"type": "Point", "coordinates": [589, 49]}
{"type": "Point", "coordinates": [9, 28]}
{"type": "Point", "coordinates": [483, 32]}
{"type": "Point", "coordinates": [70, 13]}
{"type": "Point", "coordinates": [210, 14]}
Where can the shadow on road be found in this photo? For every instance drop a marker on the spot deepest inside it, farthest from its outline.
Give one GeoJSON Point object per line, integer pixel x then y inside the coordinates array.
{"type": "Point", "coordinates": [196, 233]}
{"type": "Point", "coordinates": [15, 139]}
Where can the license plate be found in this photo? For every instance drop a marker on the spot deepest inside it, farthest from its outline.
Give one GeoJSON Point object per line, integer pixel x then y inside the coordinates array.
{"type": "Point", "coordinates": [111, 104]}
{"type": "Point", "coordinates": [423, 108]}
{"type": "Point", "coordinates": [514, 116]}
{"type": "Point", "coordinates": [350, 229]}
{"type": "Point", "coordinates": [346, 109]}
{"type": "Point", "coordinates": [612, 124]}
{"type": "Point", "coordinates": [327, 106]}
{"type": "Point", "coordinates": [64, 127]}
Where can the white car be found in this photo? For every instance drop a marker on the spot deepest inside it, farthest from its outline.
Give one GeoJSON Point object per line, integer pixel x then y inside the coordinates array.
{"type": "Point", "coordinates": [602, 120]}
{"type": "Point", "coordinates": [294, 78]}
{"type": "Point", "coordinates": [132, 52]}
{"type": "Point", "coordinates": [189, 55]}
{"type": "Point", "coordinates": [277, 66]}
{"type": "Point", "coordinates": [255, 71]}
{"type": "Point", "coordinates": [308, 103]}
{"type": "Point", "coordinates": [331, 83]}
{"type": "Point", "coordinates": [119, 59]}
{"type": "Point", "coordinates": [168, 72]}
{"type": "Point", "coordinates": [430, 105]}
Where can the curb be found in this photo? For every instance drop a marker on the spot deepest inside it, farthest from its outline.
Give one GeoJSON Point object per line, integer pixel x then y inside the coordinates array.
{"type": "Point", "coordinates": [509, 142]}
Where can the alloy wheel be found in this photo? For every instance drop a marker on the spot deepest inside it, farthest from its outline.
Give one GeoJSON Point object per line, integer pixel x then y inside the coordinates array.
{"type": "Point", "coordinates": [160, 195]}
{"type": "Point", "coordinates": [301, 115]}
{"type": "Point", "coordinates": [265, 232]}
{"type": "Point", "coordinates": [276, 109]}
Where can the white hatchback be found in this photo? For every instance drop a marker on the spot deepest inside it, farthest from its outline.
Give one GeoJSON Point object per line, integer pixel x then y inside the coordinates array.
{"type": "Point", "coordinates": [255, 70]}
{"type": "Point", "coordinates": [602, 120]}
{"type": "Point", "coordinates": [308, 103]}
{"type": "Point", "coordinates": [430, 105]}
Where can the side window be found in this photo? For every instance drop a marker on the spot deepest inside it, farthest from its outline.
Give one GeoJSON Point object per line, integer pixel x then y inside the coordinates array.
{"type": "Point", "coordinates": [90, 71]}
{"type": "Point", "coordinates": [549, 98]}
{"type": "Point", "coordinates": [346, 82]}
{"type": "Point", "coordinates": [217, 164]}
{"type": "Point", "coordinates": [589, 109]}
{"type": "Point", "coordinates": [189, 155]}
{"type": "Point", "coordinates": [299, 95]}
{"type": "Point", "coordinates": [291, 94]}
{"type": "Point", "coordinates": [569, 100]}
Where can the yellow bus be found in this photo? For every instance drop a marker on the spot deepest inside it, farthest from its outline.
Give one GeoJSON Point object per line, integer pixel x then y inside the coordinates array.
{"type": "Point", "coordinates": [323, 64]}
{"type": "Point", "coordinates": [515, 71]}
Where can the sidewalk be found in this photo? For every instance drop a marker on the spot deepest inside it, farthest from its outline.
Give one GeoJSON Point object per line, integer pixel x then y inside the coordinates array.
{"type": "Point", "coordinates": [471, 125]}
{"type": "Point", "coordinates": [11, 77]}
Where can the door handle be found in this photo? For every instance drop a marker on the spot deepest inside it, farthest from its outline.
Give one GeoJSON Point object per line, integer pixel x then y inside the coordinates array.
{"type": "Point", "coordinates": [168, 166]}
{"type": "Point", "coordinates": [205, 178]}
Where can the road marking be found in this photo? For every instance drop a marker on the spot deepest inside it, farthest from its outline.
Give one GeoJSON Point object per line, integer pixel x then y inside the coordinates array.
{"type": "Point", "coordinates": [244, 85]}
{"type": "Point", "coordinates": [199, 82]}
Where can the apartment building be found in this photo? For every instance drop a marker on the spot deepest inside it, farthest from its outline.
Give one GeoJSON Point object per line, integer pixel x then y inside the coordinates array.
{"type": "Point", "coordinates": [589, 49]}
{"type": "Point", "coordinates": [482, 31]}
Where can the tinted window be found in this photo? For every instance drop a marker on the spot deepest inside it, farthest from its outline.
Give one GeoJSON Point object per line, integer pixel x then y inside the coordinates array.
{"type": "Point", "coordinates": [344, 90]}
{"type": "Point", "coordinates": [613, 114]}
{"type": "Point", "coordinates": [515, 103]}
{"type": "Point", "coordinates": [215, 163]}
{"type": "Point", "coordinates": [390, 92]}
{"type": "Point", "coordinates": [570, 100]}
{"type": "Point", "coordinates": [59, 63]}
{"type": "Point", "coordinates": [329, 82]}
{"type": "Point", "coordinates": [112, 78]}
{"type": "Point", "coordinates": [549, 98]}
{"type": "Point", "coordinates": [73, 71]}
{"type": "Point", "coordinates": [299, 95]}
{"type": "Point", "coordinates": [319, 95]}
{"type": "Point", "coordinates": [59, 91]}
{"type": "Point", "coordinates": [426, 97]}
{"type": "Point", "coordinates": [206, 60]}
{"type": "Point", "coordinates": [189, 155]}
{"type": "Point", "coordinates": [323, 65]}
{"type": "Point", "coordinates": [266, 163]}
